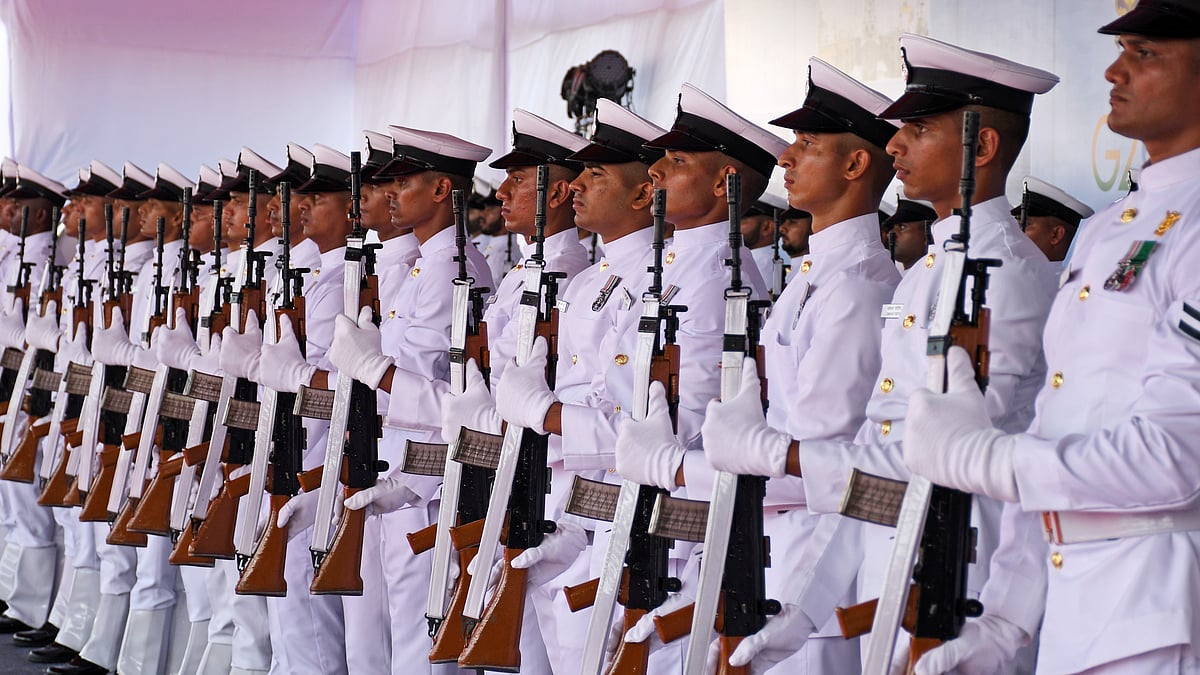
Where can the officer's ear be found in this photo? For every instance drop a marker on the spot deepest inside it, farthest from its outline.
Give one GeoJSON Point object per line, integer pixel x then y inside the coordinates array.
{"type": "Point", "coordinates": [719, 187]}
{"type": "Point", "coordinates": [442, 188]}
{"type": "Point", "coordinates": [1058, 233]}
{"type": "Point", "coordinates": [559, 193]}
{"type": "Point", "coordinates": [643, 196]}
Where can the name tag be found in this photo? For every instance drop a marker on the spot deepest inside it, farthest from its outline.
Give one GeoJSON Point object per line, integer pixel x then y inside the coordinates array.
{"type": "Point", "coordinates": [562, 305]}
{"type": "Point", "coordinates": [891, 311]}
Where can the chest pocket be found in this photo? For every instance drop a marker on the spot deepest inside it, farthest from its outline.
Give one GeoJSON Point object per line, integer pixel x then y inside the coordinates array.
{"type": "Point", "coordinates": [1124, 330]}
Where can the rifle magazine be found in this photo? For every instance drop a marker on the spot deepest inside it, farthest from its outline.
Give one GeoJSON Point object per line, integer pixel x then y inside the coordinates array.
{"type": "Point", "coordinates": [675, 518]}
{"type": "Point", "coordinates": [424, 459]}
{"type": "Point", "coordinates": [873, 499]}
{"type": "Point", "coordinates": [592, 499]}
{"type": "Point", "coordinates": [479, 449]}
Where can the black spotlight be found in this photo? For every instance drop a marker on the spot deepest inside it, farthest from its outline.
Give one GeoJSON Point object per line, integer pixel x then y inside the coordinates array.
{"type": "Point", "coordinates": [607, 75]}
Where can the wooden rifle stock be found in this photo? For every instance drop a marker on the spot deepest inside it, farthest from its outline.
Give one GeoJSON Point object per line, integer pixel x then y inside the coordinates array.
{"type": "Point", "coordinates": [181, 554]}
{"type": "Point", "coordinates": [856, 620]}
{"type": "Point", "coordinates": [195, 455]}
{"type": "Point", "coordinates": [120, 534]}
{"type": "Point", "coordinates": [631, 657]}
{"type": "Point", "coordinates": [263, 575]}
{"type": "Point", "coordinates": [57, 489]}
{"type": "Point", "coordinates": [451, 636]}
{"type": "Point", "coordinates": [22, 464]}
{"type": "Point", "coordinates": [311, 480]}
{"type": "Point", "coordinates": [582, 596]}
{"type": "Point", "coordinates": [95, 505]}
{"type": "Point", "coordinates": [727, 644]}
{"type": "Point", "coordinates": [340, 572]}
{"type": "Point", "coordinates": [423, 539]}
{"type": "Point", "coordinates": [214, 535]}
{"type": "Point", "coordinates": [152, 513]}
{"type": "Point", "coordinates": [468, 535]}
{"type": "Point", "coordinates": [674, 625]}
{"type": "Point", "coordinates": [495, 642]}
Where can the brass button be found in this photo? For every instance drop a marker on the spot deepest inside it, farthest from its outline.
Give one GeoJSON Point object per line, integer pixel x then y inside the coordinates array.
{"type": "Point", "coordinates": [574, 359]}
{"type": "Point", "coordinates": [1128, 215]}
{"type": "Point", "coordinates": [929, 261]}
{"type": "Point", "coordinates": [621, 359]}
{"type": "Point", "coordinates": [805, 266]}
{"type": "Point", "coordinates": [603, 266]}
{"type": "Point", "coordinates": [909, 321]}
{"type": "Point", "coordinates": [1057, 380]}
{"type": "Point", "coordinates": [612, 470]}
{"type": "Point", "coordinates": [886, 427]}
{"type": "Point", "coordinates": [415, 272]}
{"type": "Point", "coordinates": [392, 314]}
{"type": "Point", "coordinates": [1056, 560]}
{"type": "Point", "coordinates": [887, 385]}
{"type": "Point", "coordinates": [616, 408]}
{"type": "Point", "coordinates": [670, 257]}
{"type": "Point", "coordinates": [1085, 292]}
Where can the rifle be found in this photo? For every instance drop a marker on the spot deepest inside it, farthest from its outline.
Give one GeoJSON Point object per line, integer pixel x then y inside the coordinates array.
{"type": "Point", "coordinates": [19, 462]}
{"type": "Point", "coordinates": [68, 405]}
{"type": "Point", "coordinates": [636, 561]}
{"type": "Point", "coordinates": [465, 487]}
{"type": "Point", "coordinates": [165, 380]}
{"type": "Point", "coordinates": [352, 453]}
{"type": "Point", "coordinates": [518, 498]}
{"type": "Point", "coordinates": [280, 440]}
{"type": "Point", "coordinates": [736, 553]}
{"type": "Point", "coordinates": [934, 522]}
{"type": "Point", "coordinates": [206, 389]}
{"type": "Point", "coordinates": [20, 289]}
{"type": "Point", "coordinates": [101, 426]}
{"type": "Point", "coordinates": [214, 538]}
{"type": "Point", "coordinates": [778, 267]}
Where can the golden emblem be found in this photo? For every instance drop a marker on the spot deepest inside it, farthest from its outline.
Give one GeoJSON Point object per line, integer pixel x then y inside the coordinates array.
{"type": "Point", "coordinates": [887, 385]}
{"type": "Point", "coordinates": [621, 359]}
{"type": "Point", "coordinates": [806, 266]}
{"type": "Point", "coordinates": [1057, 380]}
{"type": "Point", "coordinates": [909, 321]}
{"type": "Point", "coordinates": [1128, 215]}
{"type": "Point", "coordinates": [1167, 223]}
{"type": "Point", "coordinates": [929, 261]}
{"type": "Point", "coordinates": [670, 257]}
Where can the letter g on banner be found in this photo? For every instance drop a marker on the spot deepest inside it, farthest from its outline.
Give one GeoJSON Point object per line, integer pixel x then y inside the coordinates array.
{"type": "Point", "coordinates": [1110, 163]}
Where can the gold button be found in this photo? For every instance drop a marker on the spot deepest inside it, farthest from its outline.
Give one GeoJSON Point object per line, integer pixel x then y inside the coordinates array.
{"type": "Point", "coordinates": [223, 270]}
{"type": "Point", "coordinates": [612, 470]}
{"type": "Point", "coordinates": [616, 408]}
{"type": "Point", "coordinates": [1056, 560]}
{"type": "Point", "coordinates": [929, 261]}
{"type": "Point", "coordinates": [574, 359]}
{"type": "Point", "coordinates": [415, 272]}
{"type": "Point", "coordinates": [886, 385]}
{"type": "Point", "coordinates": [603, 266]}
{"type": "Point", "coordinates": [519, 266]}
{"type": "Point", "coordinates": [670, 257]}
{"type": "Point", "coordinates": [1085, 292]}
{"type": "Point", "coordinates": [806, 266]}
{"type": "Point", "coordinates": [392, 314]}
{"type": "Point", "coordinates": [316, 273]}
{"type": "Point", "coordinates": [621, 359]}
{"type": "Point", "coordinates": [1128, 215]}
{"type": "Point", "coordinates": [909, 321]}
{"type": "Point", "coordinates": [886, 427]}
{"type": "Point", "coordinates": [1057, 380]}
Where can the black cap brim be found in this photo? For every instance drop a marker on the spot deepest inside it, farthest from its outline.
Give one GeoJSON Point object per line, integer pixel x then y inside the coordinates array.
{"type": "Point", "coordinates": [912, 105]}
{"type": "Point", "coordinates": [520, 158]}
{"type": "Point", "coordinates": [908, 212]}
{"type": "Point", "coordinates": [321, 184]}
{"type": "Point", "coordinates": [20, 191]}
{"type": "Point", "coordinates": [1153, 19]}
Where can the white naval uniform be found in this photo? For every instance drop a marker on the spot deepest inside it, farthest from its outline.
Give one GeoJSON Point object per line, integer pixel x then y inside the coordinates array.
{"type": "Point", "coordinates": [416, 335]}
{"type": "Point", "coordinates": [1114, 433]}
{"type": "Point", "coordinates": [27, 574]}
{"type": "Point", "coordinates": [821, 352]}
{"type": "Point", "coordinates": [307, 631]}
{"type": "Point", "coordinates": [562, 253]}
{"type": "Point", "coordinates": [589, 311]}
{"type": "Point", "coordinates": [764, 259]}
{"type": "Point", "coordinates": [1018, 294]}
{"type": "Point", "coordinates": [496, 250]}
{"type": "Point", "coordinates": [80, 604]}
{"type": "Point", "coordinates": [118, 564]}
{"type": "Point", "coordinates": [694, 275]}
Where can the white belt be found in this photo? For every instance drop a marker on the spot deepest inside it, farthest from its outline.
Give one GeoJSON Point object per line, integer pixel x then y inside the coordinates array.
{"type": "Point", "coordinates": [1074, 527]}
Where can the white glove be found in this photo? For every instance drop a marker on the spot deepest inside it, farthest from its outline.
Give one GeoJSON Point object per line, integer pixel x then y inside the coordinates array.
{"type": "Point", "coordinates": [283, 367]}
{"type": "Point", "coordinates": [210, 361]}
{"type": "Point", "coordinates": [73, 349]}
{"type": "Point", "coordinates": [648, 452]}
{"type": "Point", "coordinates": [473, 409]}
{"type": "Point", "coordinates": [300, 512]}
{"type": "Point", "coordinates": [357, 349]}
{"type": "Point", "coordinates": [387, 495]}
{"type": "Point", "coordinates": [949, 438]}
{"type": "Point", "coordinates": [12, 326]}
{"type": "Point", "coordinates": [554, 555]}
{"type": "Point", "coordinates": [42, 332]}
{"type": "Point", "coordinates": [240, 352]}
{"type": "Point", "coordinates": [983, 646]}
{"type": "Point", "coordinates": [644, 629]}
{"type": "Point", "coordinates": [175, 347]}
{"type": "Point", "coordinates": [112, 346]}
{"type": "Point", "coordinates": [783, 635]}
{"type": "Point", "coordinates": [522, 396]}
{"type": "Point", "coordinates": [737, 438]}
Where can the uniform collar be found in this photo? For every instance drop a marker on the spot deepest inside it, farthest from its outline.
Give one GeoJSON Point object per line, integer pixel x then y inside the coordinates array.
{"type": "Point", "coordinates": [632, 245]}
{"type": "Point", "coordinates": [704, 236]}
{"type": "Point", "coordinates": [443, 238]}
{"type": "Point", "coordinates": [333, 257]}
{"type": "Point", "coordinates": [1178, 169]}
{"type": "Point", "coordinates": [555, 245]}
{"type": "Point", "coordinates": [139, 247]}
{"type": "Point", "coordinates": [399, 248]}
{"type": "Point", "coordinates": [993, 210]}
{"type": "Point", "coordinates": [858, 229]}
